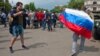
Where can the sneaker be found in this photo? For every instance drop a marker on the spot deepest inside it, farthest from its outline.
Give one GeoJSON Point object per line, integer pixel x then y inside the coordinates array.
{"type": "Point", "coordinates": [11, 50]}
{"type": "Point", "coordinates": [23, 46]}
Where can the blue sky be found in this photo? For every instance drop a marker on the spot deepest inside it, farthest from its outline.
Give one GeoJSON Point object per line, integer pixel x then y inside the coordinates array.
{"type": "Point", "coordinates": [47, 4]}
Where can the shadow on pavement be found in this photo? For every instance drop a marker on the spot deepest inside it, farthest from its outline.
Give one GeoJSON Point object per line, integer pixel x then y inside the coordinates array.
{"type": "Point", "coordinates": [2, 36]}
{"type": "Point", "coordinates": [3, 41]}
{"type": "Point", "coordinates": [38, 45]}
{"type": "Point", "coordinates": [90, 49]}
{"type": "Point", "coordinates": [2, 48]}
{"type": "Point", "coordinates": [20, 49]}
{"type": "Point", "coordinates": [33, 46]}
{"type": "Point", "coordinates": [3, 29]}
{"type": "Point", "coordinates": [24, 38]}
{"type": "Point", "coordinates": [26, 32]}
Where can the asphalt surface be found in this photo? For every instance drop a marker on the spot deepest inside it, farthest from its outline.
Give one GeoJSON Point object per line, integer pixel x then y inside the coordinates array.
{"type": "Point", "coordinates": [44, 43]}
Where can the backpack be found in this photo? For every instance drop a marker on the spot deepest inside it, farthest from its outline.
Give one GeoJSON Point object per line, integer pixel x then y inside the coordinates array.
{"type": "Point", "coordinates": [10, 19]}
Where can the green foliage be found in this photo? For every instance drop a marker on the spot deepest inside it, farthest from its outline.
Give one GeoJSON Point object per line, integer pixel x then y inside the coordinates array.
{"type": "Point", "coordinates": [26, 6]}
{"type": "Point", "coordinates": [1, 4]}
{"type": "Point", "coordinates": [56, 9]}
{"type": "Point", "coordinates": [76, 4]}
{"type": "Point", "coordinates": [1, 0]}
{"type": "Point", "coordinates": [5, 5]}
{"type": "Point", "coordinates": [6, 1]}
{"type": "Point", "coordinates": [41, 9]}
{"type": "Point", "coordinates": [32, 6]}
{"type": "Point", "coordinates": [8, 7]}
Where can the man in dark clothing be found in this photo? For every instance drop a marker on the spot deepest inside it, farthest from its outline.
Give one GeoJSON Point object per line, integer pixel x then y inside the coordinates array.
{"type": "Point", "coordinates": [4, 18]}
{"type": "Point", "coordinates": [54, 19]}
{"type": "Point", "coordinates": [44, 20]}
{"type": "Point", "coordinates": [49, 21]}
{"type": "Point", "coordinates": [16, 26]}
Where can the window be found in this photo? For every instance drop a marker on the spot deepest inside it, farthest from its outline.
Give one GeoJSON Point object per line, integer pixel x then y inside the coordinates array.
{"type": "Point", "coordinates": [94, 2]}
{"type": "Point", "coordinates": [94, 8]}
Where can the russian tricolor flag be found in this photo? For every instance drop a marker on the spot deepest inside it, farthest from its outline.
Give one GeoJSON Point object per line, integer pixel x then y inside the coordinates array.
{"type": "Point", "coordinates": [77, 21]}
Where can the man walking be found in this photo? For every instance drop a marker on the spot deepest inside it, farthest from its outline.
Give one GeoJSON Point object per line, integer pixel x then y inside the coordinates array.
{"type": "Point", "coordinates": [75, 48]}
{"type": "Point", "coordinates": [16, 26]}
{"type": "Point", "coordinates": [4, 18]}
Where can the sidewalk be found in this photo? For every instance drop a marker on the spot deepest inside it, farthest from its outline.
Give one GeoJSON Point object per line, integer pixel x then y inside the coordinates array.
{"type": "Point", "coordinates": [44, 43]}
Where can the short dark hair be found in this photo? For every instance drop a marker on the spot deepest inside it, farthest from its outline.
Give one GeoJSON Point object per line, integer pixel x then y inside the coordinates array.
{"type": "Point", "coordinates": [18, 3]}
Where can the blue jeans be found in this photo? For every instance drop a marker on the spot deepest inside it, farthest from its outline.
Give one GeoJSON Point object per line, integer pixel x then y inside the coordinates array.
{"type": "Point", "coordinates": [16, 30]}
{"type": "Point", "coordinates": [74, 45]}
{"type": "Point", "coordinates": [54, 23]}
{"type": "Point", "coordinates": [4, 22]}
{"type": "Point", "coordinates": [44, 24]}
{"type": "Point", "coordinates": [28, 22]}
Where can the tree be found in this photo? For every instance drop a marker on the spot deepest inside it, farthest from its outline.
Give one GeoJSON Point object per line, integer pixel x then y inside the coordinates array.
{"type": "Point", "coordinates": [41, 9]}
{"type": "Point", "coordinates": [65, 6]}
{"type": "Point", "coordinates": [1, 0]}
{"type": "Point", "coordinates": [5, 5]}
{"type": "Point", "coordinates": [1, 3]}
{"type": "Point", "coordinates": [6, 1]}
{"type": "Point", "coordinates": [76, 4]}
{"type": "Point", "coordinates": [26, 6]}
{"type": "Point", "coordinates": [32, 6]}
{"type": "Point", "coordinates": [57, 9]}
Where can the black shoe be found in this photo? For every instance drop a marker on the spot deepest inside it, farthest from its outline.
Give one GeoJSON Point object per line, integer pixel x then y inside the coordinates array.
{"type": "Point", "coordinates": [23, 46]}
{"type": "Point", "coordinates": [74, 54]}
{"type": "Point", "coordinates": [11, 50]}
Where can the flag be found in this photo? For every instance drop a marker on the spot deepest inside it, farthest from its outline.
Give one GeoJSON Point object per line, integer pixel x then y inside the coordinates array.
{"type": "Point", "coordinates": [77, 21]}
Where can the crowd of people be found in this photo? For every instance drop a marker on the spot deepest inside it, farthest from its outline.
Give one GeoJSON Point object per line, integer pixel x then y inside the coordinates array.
{"type": "Point", "coordinates": [42, 19]}
{"type": "Point", "coordinates": [20, 19]}
{"type": "Point", "coordinates": [38, 19]}
{"type": "Point", "coordinates": [3, 18]}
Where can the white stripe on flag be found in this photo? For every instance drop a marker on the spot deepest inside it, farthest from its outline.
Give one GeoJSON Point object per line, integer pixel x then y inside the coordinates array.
{"type": "Point", "coordinates": [78, 13]}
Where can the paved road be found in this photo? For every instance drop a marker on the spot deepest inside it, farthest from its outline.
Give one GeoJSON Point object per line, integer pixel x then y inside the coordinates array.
{"type": "Point", "coordinates": [44, 43]}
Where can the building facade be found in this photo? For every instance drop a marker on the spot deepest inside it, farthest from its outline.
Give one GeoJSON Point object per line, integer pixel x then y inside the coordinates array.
{"type": "Point", "coordinates": [94, 5]}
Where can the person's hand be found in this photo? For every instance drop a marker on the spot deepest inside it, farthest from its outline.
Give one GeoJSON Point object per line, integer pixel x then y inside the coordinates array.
{"type": "Point", "coordinates": [19, 13]}
{"type": "Point", "coordinates": [29, 14]}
